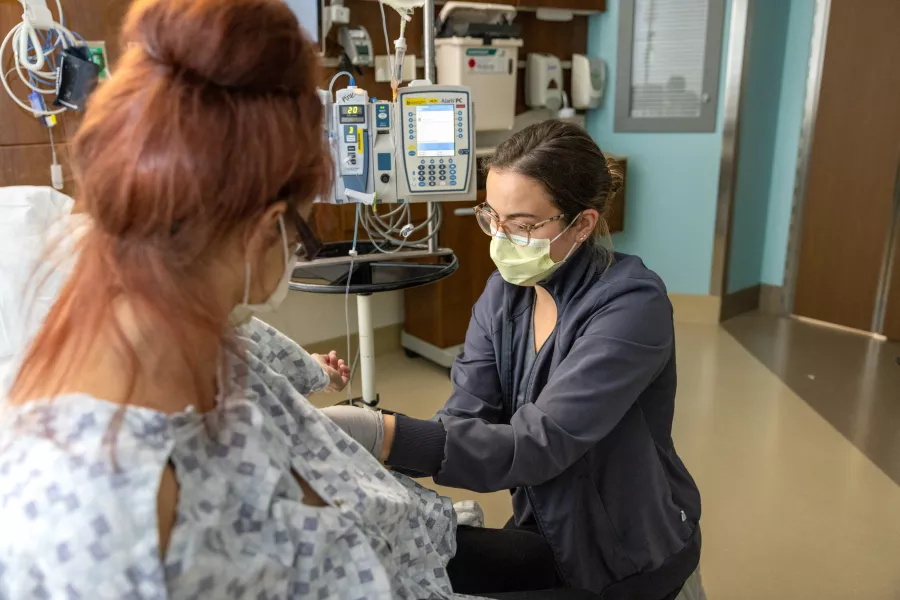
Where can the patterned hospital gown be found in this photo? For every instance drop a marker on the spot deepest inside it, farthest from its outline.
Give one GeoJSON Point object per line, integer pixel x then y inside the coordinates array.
{"type": "Point", "coordinates": [78, 517]}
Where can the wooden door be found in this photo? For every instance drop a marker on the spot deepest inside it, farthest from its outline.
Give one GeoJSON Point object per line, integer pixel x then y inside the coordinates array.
{"type": "Point", "coordinates": [592, 5]}
{"type": "Point", "coordinates": [853, 165]}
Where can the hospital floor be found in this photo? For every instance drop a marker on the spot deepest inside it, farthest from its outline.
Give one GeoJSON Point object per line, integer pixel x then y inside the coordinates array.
{"type": "Point", "coordinates": [792, 432]}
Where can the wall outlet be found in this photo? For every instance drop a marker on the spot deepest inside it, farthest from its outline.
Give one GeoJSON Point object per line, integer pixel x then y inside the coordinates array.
{"type": "Point", "coordinates": [100, 58]}
{"type": "Point", "coordinates": [383, 69]}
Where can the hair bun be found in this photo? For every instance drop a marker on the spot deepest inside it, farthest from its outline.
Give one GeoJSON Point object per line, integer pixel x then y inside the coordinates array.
{"type": "Point", "coordinates": [616, 176]}
{"type": "Point", "coordinates": [253, 46]}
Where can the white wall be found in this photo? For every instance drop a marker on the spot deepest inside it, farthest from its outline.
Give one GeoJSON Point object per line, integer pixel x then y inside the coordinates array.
{"type": "Point", "coordinates": [309, 318]}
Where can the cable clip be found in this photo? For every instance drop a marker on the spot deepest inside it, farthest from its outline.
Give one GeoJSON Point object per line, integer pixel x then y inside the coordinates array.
{"type": "Point", "coordinates": [38, 14]}
{"type": "Point", "coordinates": [362, 197]}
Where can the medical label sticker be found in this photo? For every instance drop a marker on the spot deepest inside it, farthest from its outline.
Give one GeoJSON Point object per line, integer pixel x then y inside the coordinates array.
{"type": "Point", "coordinates": [481, 51]}
{"type": "Point", "coordinates": [414, 101]}
{"type": "Point", "coordinates": [488, 61]}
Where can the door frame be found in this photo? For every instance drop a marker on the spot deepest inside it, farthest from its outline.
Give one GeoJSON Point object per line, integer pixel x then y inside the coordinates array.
{"type": "Point", "coordinates": [887, 261]}
{"type": "Point", "coordinates": [730, 101]}
{"type": "Point", "coordinates": [821, 16]}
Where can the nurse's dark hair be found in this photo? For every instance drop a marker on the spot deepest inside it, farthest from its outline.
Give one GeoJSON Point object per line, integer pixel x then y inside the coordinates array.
{"type": "Point", "coordinates": [566, 161]}
{"type": "Point", "coordinates": [211, 116]}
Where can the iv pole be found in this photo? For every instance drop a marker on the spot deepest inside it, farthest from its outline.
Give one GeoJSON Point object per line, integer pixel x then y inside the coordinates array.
{"type": "Point", "coordinates": [428, 28]}
{"type": "Point", "coordinates": [370, 272]}
{"type": "Point", "coordinates": [364, 301]}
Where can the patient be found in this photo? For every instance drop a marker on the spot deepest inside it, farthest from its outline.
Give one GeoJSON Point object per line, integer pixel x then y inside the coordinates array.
{"type": "Point", "coordinates": [39, 227]}
{"type": "Point", "coordinates": [147, 447]}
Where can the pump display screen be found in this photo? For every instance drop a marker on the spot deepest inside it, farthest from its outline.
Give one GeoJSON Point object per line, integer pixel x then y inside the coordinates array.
{"type": "Point", "coordinates": [353, 113]}
{"type": "Point", "coordinates": [434, 125]}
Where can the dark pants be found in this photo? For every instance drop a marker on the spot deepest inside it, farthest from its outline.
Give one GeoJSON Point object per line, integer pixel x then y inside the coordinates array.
{"type": "Point", "coordinates": [511, 564]}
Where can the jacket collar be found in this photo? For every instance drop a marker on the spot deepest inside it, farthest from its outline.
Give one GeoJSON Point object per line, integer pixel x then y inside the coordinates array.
{"type": "Point", "coordinates": [580, 269]}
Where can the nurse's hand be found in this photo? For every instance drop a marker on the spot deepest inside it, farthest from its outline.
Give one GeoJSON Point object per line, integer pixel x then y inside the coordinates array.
{"type": "Point", "coordinates": [337, 370]}
{"type": "Point", "coordinates": [371, 429]}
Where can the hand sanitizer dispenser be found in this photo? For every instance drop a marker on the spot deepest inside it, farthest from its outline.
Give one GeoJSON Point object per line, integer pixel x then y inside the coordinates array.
{"type": "Point", "coordinates": [543, 81]}
{"type": "Point", "coordinates": [588, 81]}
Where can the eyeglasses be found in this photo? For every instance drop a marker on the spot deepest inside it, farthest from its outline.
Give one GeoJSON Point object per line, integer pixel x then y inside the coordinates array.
{"type": "Point", "coordinates": [517, 232]}
{"type": "Point", "coordinates": [309, 245]}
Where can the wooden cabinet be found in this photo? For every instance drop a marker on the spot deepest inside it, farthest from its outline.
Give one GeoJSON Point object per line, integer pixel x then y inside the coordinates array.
{"type": "Point", "coordinates": [592, 5]}
{"type": "Point", "coordinates": [615, 212]}
{"type": "Point", "coordinates": [439, 313]}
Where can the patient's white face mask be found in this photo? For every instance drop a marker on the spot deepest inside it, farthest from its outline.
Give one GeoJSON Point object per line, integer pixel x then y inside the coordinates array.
{"type": "Point", "coordinates": [244, 311]}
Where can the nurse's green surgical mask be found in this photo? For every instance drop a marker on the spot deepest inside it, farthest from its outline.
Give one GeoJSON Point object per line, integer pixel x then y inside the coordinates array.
{"type": "Point", "coordinates": [526, 264]}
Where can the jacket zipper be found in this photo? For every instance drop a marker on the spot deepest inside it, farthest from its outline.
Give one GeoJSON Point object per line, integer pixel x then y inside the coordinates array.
{"type": "Point", "coordinates": [540, 523]}
{"type": "Point", "coordinates": [529, 492]}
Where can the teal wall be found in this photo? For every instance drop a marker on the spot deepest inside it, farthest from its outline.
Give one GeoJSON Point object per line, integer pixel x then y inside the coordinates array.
{"type": "Point", "coordinates": [787, 139]}
{"type": "Point", "coordinates": [672, 178]}
{"type": "Point", "coordinates": [760, 103]}
{"type": "Point", "coordinates": [775, 66]}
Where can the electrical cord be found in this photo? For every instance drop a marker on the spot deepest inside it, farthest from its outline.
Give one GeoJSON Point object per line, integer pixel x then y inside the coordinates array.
{"type": "Point", "coordinates": [56, 173]}
{"type": "Point", "coordinates": [395, 59]}
{"type": "Point", "coordinates": [52, 145]}
{"type": "Point", "coordinates": [388, 233]}
{"type": "Point", "coordinates": [385, 233]}
{"type": "Point", "coordinates": [387, 42]}
{"type": "Point", "coordinates": [335, 78]}
{"type": "Point", "coordinates": [31, 54]}
{"type": "Point", "coordinates": [353, 255]}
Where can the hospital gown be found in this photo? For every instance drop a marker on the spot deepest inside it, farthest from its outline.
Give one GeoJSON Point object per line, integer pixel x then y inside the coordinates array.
{"type": "Point", "coordinates": [78, 512]}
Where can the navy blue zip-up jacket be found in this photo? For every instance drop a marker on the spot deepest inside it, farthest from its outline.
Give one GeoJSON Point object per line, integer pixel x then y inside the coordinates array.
{"type": "Point", "coordinates": [591, 449]}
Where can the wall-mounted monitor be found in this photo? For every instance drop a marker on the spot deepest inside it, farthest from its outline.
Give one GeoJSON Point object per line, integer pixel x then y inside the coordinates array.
{"type": "Point", "coordinates": [307, 12]}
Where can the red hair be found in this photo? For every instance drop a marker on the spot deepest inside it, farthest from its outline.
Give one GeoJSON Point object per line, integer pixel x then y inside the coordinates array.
{"type": "Point", "coordinates": [212, 114]}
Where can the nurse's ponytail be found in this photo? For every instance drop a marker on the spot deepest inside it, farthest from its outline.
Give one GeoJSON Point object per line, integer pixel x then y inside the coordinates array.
{"type": "Point", "coordinates": [563, 158]}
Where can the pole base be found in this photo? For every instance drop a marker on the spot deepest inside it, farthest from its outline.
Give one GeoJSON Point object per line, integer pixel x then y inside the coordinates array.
{"type": "Point", "coordinates": [360, 403]}
{"type": "Point", "coordinates": [444, 357]}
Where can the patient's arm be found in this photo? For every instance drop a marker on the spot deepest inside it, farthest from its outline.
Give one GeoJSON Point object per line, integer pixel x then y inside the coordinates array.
{"type": "Point", "coordinates": [284, 356]}
{"type": "Point", "coordinates": [372, 430]}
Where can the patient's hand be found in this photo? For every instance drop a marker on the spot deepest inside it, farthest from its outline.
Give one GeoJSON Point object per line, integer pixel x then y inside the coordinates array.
{"type": "Point", "coordinates": [337, 370]}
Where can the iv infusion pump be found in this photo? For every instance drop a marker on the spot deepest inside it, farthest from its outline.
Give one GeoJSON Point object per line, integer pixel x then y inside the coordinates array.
{"type": "Point", "coordinates": [420, 148]}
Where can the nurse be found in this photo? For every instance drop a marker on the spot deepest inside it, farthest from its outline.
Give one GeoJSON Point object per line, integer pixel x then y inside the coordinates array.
{"type": "Point", "coordinates": [565, 392]}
